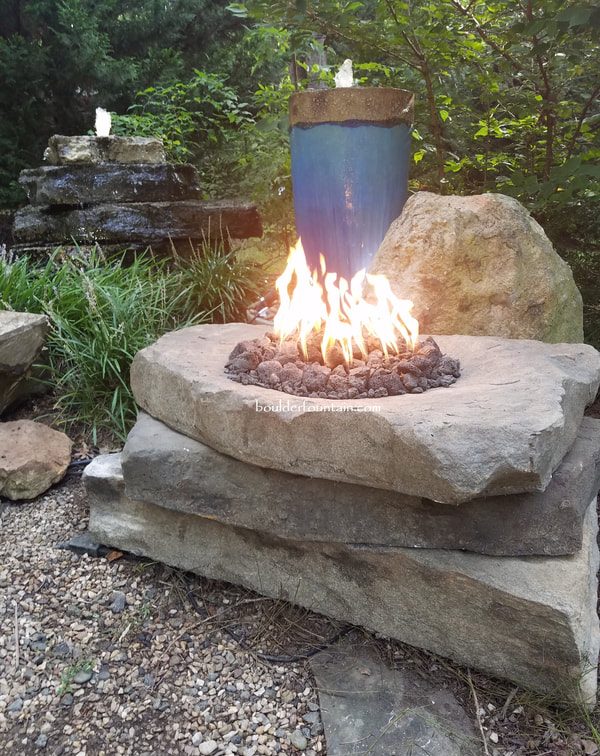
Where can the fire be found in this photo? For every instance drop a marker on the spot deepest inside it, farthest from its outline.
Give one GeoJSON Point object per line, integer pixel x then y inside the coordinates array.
{"type": "Point", "coordinates": [346, 313]}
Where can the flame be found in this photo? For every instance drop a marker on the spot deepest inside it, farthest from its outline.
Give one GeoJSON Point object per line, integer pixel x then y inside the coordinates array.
{"type": "Point", "coordinates": [346, 313]}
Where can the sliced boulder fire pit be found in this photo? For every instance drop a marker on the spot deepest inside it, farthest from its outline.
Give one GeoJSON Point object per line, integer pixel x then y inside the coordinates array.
{"type": "Point", "coordinates": [437, 489]}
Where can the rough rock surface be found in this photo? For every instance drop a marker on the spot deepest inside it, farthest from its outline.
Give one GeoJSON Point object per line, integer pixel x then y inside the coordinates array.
{"type": "Point", "coordinates": [480, 265]}
{"type": "Point", "coordinates": [282, 366]}
{"type": "Point", "coordinates": [91, 184]}
{"type": "Point", "coordinates": [504, 427]}
{"type": "Point", "coordinates": [369, 708]}
{"type": "Point", "coordinates": [164, 467]}
{"type": "Point", "coordinates": [528, 619]}
{"type": "Point", "coordinates": [32, 458]}
{"type": "Point", "coordinates": [22, 336]}
{"type": "Point", "coordinates": [138, 222]}
{"type": "Point", "coordinates": [63, 150]}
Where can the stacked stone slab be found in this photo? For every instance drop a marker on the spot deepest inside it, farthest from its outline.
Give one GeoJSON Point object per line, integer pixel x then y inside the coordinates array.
{"type": "Point", "coordinates": [120, 192]}
{"type": "Point", "coordinates": [462, 521]}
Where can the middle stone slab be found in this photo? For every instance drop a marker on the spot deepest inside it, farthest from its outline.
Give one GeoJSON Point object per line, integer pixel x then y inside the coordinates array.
{"type": "Point", "coordinates": [503, 428]}
{"type": "Point", "coordinates": [163, 467]}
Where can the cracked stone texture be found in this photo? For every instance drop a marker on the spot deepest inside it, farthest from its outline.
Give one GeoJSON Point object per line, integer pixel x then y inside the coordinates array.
{"type": "Point", "coordinates": [22, 337]}
{"type": "Point", "coordinates": [63, 150]}
{"type": "Point", "coordinates": [109, 182]}
{"type": "Point", "coordinates": [504, 427]}
{"type": "Point", "coordinates": [32, 458]}
{"type": "Point", "coordinates": [169, 469]}
{"type": "Point", "coordinates": [480, 265]}
{"type": "Point", "coordinates": [368, 708]}
{"type": "Point", "coordinates": [138, 221]}
{"type": "Point", "coordinates": [531, 620]}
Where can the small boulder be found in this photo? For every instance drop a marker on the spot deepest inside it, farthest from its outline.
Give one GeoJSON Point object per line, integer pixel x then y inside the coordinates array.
{"type": "Point", "coordinates": [480, 266]}
{"type": "Point", "coordinates": [22, 336]}
{"type": "Point", "coordinates": [32, 458]}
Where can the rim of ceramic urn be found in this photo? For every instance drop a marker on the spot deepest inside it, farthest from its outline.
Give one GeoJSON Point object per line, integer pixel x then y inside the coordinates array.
{"type": "Point", "coordinates": [379, 105]}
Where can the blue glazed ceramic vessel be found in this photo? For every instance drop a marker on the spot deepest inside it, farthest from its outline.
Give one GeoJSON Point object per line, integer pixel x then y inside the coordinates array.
{"type": "Point", "coordinates": [350, 158]}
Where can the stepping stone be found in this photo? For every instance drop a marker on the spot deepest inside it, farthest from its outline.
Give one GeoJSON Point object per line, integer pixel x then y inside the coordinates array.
{"type": "Point", "coordinates": [531, 620]}
{"type": "Point", "coordinates": [169, 469]}
{"type": "Point", "coordinates": [503, 428]}
{"type": "Point", "coordinates": [32, 458]}
{"type": "Point", "coordinates": [368, 708]}
{"type": "Point", "coordinates": [22, 337]}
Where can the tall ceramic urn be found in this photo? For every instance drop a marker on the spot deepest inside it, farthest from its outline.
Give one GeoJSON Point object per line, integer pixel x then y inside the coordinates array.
{"type": "Point", "coordinates": [350, 157]}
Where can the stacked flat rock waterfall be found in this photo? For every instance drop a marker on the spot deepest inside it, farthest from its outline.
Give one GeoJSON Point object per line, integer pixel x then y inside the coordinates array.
{"type": "Point", "coordinates": [461, 520]}
{"type": "Point", "coordinates": [121, 193]}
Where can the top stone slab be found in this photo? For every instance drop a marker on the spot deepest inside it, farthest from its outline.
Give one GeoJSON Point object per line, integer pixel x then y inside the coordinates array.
{"type": "Point", "coordinates": [504, 427]}
{"type": "Point", "coordinates": [65, 150]}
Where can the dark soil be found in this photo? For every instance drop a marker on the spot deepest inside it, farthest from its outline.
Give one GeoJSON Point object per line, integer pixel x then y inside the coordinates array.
{"type": "Point", "coordinates": [283, 367]}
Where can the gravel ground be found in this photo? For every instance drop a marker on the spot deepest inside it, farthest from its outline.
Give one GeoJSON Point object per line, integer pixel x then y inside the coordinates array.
{"type": "Point", "coordinates": [111, 659]}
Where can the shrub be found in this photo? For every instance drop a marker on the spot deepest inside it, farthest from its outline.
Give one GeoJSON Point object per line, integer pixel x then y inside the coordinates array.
{"type": "Point", "coordinates": [103, 311]}
{"type": "Point", "coordinates": [215, 282]}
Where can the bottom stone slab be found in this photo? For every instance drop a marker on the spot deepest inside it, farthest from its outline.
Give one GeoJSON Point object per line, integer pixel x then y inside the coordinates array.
{"type": "Point", "coordinates": [531, 620]}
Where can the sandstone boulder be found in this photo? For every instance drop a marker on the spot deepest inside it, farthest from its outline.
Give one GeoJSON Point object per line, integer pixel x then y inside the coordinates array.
{"type": "Point", "coordinates": [32, 458]}
{"type": "Point", "coordinates": [528, 619]}
{"type": "Point", "coordinates": [22, 336]}
{"type": "Point", "coordinates": [164, 467]}
{"type": "Point", "coordinates": [503, 427]}
{"type": "Point", "coordinates": [480, 265]}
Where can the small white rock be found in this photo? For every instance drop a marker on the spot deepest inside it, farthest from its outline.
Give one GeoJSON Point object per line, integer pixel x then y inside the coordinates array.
{"type": "Point", "coordinates": [208, 747]}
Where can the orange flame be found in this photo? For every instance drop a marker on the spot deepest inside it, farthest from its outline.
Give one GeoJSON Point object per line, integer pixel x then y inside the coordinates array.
{"type": "Point", "coordinates": [340, 310]}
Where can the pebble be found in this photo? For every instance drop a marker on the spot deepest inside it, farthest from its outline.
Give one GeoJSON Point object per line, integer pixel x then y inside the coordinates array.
{"type": "Point", "coordinates": [118, 603]}
{"type": "Point", "coordinates": [208, 747]}
{"type": "Point", "coordinates": [62, 650]}
{"type": "Point", "coordinates": [15, 706]}
{"type": "Point", "coordinates": [298, 740]}
{"type": "Point", "coordinates": [82, 677]}
{"type": "Point", "coordinates": [41, 741]}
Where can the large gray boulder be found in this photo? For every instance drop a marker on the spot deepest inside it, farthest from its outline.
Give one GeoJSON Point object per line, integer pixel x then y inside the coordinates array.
{"type": "Point", "coordinates": [480, 265]}
{"type": "Point", "coordinates": [531, 620]}
{"type": "Point", "coordinates": [32, 458]}
{"type": "Point", "coordinates": [80, 184]}
{"type": "Point", "coordinates": [144, 222]}
{"type": "Point", "coordinates": [164, 467]}
{"type": "Point", "coordinates": [22, 336]}
{"type": "Point", "coordinates": [503, 427]}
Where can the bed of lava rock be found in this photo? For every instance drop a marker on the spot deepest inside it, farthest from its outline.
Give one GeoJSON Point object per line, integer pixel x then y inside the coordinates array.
{"type": "Point", "coordinates": [283, 367]}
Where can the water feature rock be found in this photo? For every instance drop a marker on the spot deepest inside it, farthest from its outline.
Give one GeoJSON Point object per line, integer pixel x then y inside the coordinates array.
{"type": "Point", "coordinates": [503, 427]}
{"type": "Point", "coordinates": [83, 184]}
{"type": "Point", "coordinates": [480, 265]}
{"type": "Point", "coordinates": [144, 222]}
{"type": "Point", "coordinates": [169, 469]}
{"type": "Point", "coordinates": [32, 458]}
{"type": "Point", "coordinates": [63, 150]}
{"type": "Point", "coordinates": [529, 619]}
{"type": "Point", "coordinates": [22, 336]}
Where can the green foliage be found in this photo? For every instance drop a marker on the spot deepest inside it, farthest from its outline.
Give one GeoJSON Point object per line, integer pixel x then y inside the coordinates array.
{"type": "Point", "coordinates": [60, 59]}
{"type": "Point", "coordinates": [507, 94]}
{"type": "Point", "coordinates": [102, 312]}
{"type": "Point", "coordinates": [190, 117]}
{"type": "Point", "coordinates": [215, 282]}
